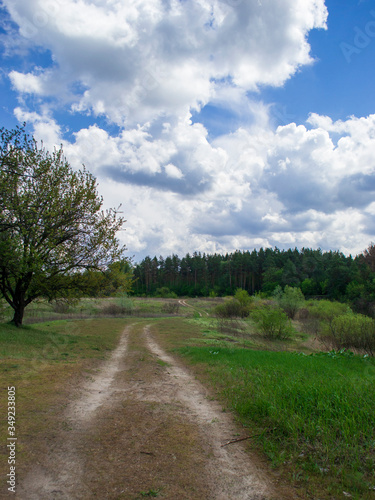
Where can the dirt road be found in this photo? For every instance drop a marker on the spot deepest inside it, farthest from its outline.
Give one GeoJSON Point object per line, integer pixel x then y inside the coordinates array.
{"type": "Point", "coordinates": [143, 427]}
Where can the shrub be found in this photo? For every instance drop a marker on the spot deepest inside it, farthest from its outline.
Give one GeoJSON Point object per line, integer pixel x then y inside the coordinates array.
{"type": "Point", "coordinates": [62, 305]}
{"type": "Point", "coordinates": [317, 314]}
{"type": "Point", "coordinates": [326, 310]}
{"type": "Point", "coordinates": [290, 300]}
{"type": "Point", "coordinates": [123, 306]}
{"type": "Point", "coordinates": [351, 331]}
{"type": "Point", "coordinates": [237, 307]}
{"type": "Point", "coordinates": [126, 304]}
{"type": "Point", "coordinates": [243, 297]}
{"type": "Point", "coordinates": [165, 293]}
{"type": "Point", "coordinates": [171, 307]}
{"type": "Point", "coordinates": [112, 310]}
{"type": "Point", "coordinates": [231, 309]}
{"type": "Point", "coordinates": [272, 322]}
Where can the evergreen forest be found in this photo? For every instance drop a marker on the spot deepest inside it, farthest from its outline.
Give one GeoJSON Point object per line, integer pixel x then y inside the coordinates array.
{"type": "Point", "coordinates": [318, 274]}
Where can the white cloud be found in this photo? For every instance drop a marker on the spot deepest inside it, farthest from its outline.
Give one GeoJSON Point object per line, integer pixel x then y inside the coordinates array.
{"type": "Point", "coordinates": [146, 65]}
{"type": "Point", "coordinates": [26, 83]}
{"type": "Point", "coordinates": [173, 171]}
{"type": "Point", "coordinates": [45, 128]}
{"type": "Point", "coordinates": [139, 59]}
{"type": "Point", "coordinates": [289, 187]}
{"type": "Point", "coordinates": [267, 187]}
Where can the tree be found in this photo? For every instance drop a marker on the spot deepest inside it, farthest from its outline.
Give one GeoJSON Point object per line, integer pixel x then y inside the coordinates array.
{"type": "Point", "coordinates": [369, 256]}
{"type": "Point", "coordinates": [291, 299]}
{"type": "Point", "coordinates": [51, 222]}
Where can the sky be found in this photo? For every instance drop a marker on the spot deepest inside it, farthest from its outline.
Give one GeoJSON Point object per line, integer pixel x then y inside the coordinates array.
{"type": "Point", "coordinates": [217, 125]}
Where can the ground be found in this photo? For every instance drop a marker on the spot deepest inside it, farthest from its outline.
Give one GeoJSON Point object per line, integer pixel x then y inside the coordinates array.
{"type": "Point", "coordinates": [139, 426]}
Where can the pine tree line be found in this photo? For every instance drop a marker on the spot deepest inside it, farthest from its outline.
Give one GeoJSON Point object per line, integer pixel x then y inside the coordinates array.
{"type": "Point", "coordinates": [319, 274]}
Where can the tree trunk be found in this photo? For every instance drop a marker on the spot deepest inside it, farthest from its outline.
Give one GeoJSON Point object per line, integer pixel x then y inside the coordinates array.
{"type": "Point", "coordinates": [18, 314]}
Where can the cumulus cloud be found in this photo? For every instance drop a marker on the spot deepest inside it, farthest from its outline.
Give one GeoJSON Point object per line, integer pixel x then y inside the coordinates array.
{"type": "Point", "coordinates": [151, 67]}
{"type": "Point", "coordinates": [288, 187]}
{"type": "Point", "coordinates": [139, 59]}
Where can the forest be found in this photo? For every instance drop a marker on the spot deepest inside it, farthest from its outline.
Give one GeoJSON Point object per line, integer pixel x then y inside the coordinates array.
{"type": "Point", "coordinates": [318, 274]}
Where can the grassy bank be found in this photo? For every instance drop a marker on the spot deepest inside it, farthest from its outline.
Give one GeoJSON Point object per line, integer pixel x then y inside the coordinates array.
{"type": "Point", "coordinates": [314, 416]}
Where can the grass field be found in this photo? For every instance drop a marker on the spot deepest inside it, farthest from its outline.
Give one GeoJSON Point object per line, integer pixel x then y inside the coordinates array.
{"type": "Point", "coordinates": [313, 416]}
{"type": "Point", "coordinates": [86, 308]}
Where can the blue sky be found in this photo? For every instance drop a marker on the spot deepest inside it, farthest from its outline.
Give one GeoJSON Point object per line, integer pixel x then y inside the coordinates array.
{"type": "Point", "coordinates": [340, 83]}
{"type": "Point", "coordinates": [217, 124]}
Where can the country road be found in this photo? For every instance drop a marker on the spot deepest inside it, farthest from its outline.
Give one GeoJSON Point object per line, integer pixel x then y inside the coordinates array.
{"type": "Point", "coordinates": [183, 302]}
{"type": "Point", "coordinates": [143, 426]}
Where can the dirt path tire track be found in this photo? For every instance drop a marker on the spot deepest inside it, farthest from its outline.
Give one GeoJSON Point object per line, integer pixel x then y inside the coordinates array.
{"type": "Point", "coordinates": [231, 473]}
{"type": "Point", "coordinates": [144, 419]}
{"type": "Point", "coordinates": [185, 304]}
{"type": "Point", "coordinates": [61, 472]}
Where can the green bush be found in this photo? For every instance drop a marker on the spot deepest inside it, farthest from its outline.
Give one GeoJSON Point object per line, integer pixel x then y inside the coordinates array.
{"type": "Point", "coordinates": [243, 298]}
{"type": "Point", "coordinates": [165, 293]}
{"type": "Point", "coordinates": [326, 310]}
{"type": "Point", "coordinates": [290, 299]}
{"type": "Point", "coordinates": [351, 331]}
{"type": "Point", "coordinates": [231, 309]}
{"type": "Point", "coordinates": [125, 303]}
{"type": "Point", "coordinates": [123, 306]}
{"type": "Point", "coordinates": [237, 307]}
{"type": "Point", "coordinates": [170, 307]}
{"type": "Point", "coordinates": [272, 323]}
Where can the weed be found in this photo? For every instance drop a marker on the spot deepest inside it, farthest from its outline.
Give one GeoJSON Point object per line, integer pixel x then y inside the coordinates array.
{"type": "Point", "coordinates": [150, 493]}
{"type": "Point", "coordinates": [160, 362]}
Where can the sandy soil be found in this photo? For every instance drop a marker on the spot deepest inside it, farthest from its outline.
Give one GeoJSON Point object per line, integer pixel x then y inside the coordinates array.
{"type": "Point", "coordinates": [143, 426]}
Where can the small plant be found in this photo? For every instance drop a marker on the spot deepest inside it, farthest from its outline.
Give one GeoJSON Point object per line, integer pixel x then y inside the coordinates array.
{"type": "Point", "coordinates": [272, 322]}
{"type": "Point", "coordinates": [150, 493]}
{"type": "Point", "coordinates": [171, 307]}
{"type": "Point", "coordinates": [123, 306]}
{"type": "Point", "coordinates": [126, 304]}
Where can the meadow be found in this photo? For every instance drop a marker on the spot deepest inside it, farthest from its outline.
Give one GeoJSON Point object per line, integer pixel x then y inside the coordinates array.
{"type": "Point", "coordinates": [309, 409]}
{"type": "Point", "coordinates": [312, 415]}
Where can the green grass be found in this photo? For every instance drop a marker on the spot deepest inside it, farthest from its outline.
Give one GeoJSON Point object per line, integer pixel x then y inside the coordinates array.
{"type": "Point", "coordinates": [315, 414]}
{"type": "Point", "coordinates": [57, 339]}
{"type": "Point", "coordinates": [41, 310]}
